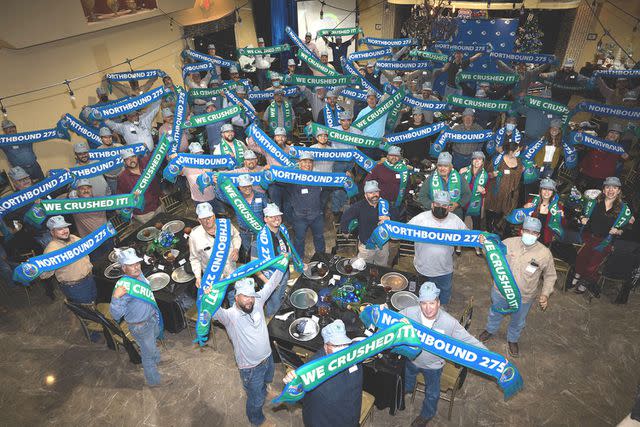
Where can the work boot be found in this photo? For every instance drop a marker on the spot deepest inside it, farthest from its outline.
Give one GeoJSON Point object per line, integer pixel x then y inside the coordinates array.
{"type": "Point", "coordinates": [268, 422]}
{"type": "Point", "coordinates": [458, 250]}
{"type": "Point", "coordinates": [420, 422]}
{"type": "Point", "coordinates": [514, 351]}
{"type": "Point", "coordinates": [485, 336]}
{"type": "Point", "coordinates": [479, 252]}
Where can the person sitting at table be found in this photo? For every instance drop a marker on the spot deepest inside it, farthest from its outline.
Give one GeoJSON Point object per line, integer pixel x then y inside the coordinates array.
{"type": "Point", "coordinates": [247, 329]}
{"type": "Point", "coordinates": [430, 314]}
{"type": "Point", "coordinates": [435, 262]}
{"type": "Point", "coordinates": [281, 245]}
{"type": "Point", "coordinates": [141, 317]}
{"type": "Point", "coordinates": [128, 179]}
{"type": "Point", "coordinates": [368, 216]}
{"type": "Point", "coordinates": [338, 400]}
{"type": "Point", "coordinates": [201, 242]}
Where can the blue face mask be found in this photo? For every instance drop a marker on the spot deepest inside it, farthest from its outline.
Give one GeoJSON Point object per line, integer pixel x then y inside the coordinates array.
{"type": "Point", "coordinates": [510, 127]}
{"type": "Point", "coordinates": [528, 239]}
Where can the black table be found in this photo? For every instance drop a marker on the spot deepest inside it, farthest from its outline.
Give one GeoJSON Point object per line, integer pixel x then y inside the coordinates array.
{"type": "Point", "coordinates": [384, 375]}
{"type": "Point", "coordinates": [167, 298]}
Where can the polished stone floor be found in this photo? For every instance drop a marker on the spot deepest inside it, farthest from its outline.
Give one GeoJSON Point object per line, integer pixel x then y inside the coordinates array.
{"type": "Point", "coordinates": [579, 360]}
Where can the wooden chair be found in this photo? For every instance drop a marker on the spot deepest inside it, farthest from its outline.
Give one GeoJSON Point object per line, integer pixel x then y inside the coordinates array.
{"type": "Point", "coordinates": [171, 204]}
{"type": "Point", "coordinates": [366, 410]}
{"type": "Point", "coordinates": [562, 269]}
{"type": "Point", "coordinates": [467, 315]}
{"type": "Point", "coordinates": [404, 258]}
{"type": "Point", "coordinates": [291, 358]}
{"type": "Point", "coordinates": [122, 227]}
{"type": "Point", "coordinates": [346, 243]}
{"type": "Point", "coordinates": [566, 177]}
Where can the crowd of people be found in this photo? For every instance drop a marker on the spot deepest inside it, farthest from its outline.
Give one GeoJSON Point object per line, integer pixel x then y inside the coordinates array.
{"type": "Point", "coordinates": [480, 186]}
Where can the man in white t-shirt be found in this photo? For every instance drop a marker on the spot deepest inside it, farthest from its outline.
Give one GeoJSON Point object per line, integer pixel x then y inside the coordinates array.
{"type": "Point", "coordinates": [435, 262]}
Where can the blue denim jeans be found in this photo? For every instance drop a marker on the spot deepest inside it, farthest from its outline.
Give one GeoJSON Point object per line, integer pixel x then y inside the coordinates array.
{"type": "Point", "coordinates": [518, 319]}
{"type": "Point", "coordinates": [444, 283]}
{"type": "Point", "coordinates": [83, 293]}
{"type": "Point", "coordinates": [300, 227]}
{"type": "Point", "coordinates": [254, 382]}
{"type": "Point", "coordinates": [275, 300]}
{"type": "Point", "coordinates": [145, 334]}
{"type": "Point", "coordinates": [432, 387]}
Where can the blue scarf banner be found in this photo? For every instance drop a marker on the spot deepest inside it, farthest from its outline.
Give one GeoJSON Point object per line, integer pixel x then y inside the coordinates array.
{"type": "Point", "coordinates": [106, 153]}
{"type": "Point", "coordinates": [312, 178]}
{"type": "Point", "coordinates": [179, 113]}
{"type": "Point", "coordinates": [196, 67]}
{"type": "Point", "coordinates": [267, 95]}
{"type": "Point", "coordinates": [607, 110]}
{"type": "Point", "coordinates": [234, 98]}
{"type": "Point", "coordinates": [331, 116]}
{"type": "Point", "coordinates": [58, 132]}
{"type": "Point", "coordinates": [196, 161]}
{"type": "Point", "coordinates": [269, 146]}
{"type": "Point", "coordinates": [570, 155]}
{"type": "Point", "coordinates": [92, 169]}
{"type": "Point", "coordinates": [374, 41]}
{"type": "Point", "coordinates": [35, 266]}
{"type": "Point", "coordinates": [595, 142]}
{"type": "Point", "coordinates": [206, 179]}
{"type": "Point", "coordinates": [265, 246]}
{"type": "Point", "coordinates": [336, 155]}
{"type": "Point", "coordinates": [532, 149]}
{"type": "Point", "coordinates": [134, 75]}
{"type": "Point", "coordinates": [459, 137]}
{"type": "Point", "coordinates": [358, 95]}
{"type": "Point", "coordinates": [496, 142]}
{"type": "Point", "coordinates": [29, 195]}
{"type": "Point", "coordinates": [463, 47]}
{"type": "Point", "coordinates": [618, 74]}
{"type": "Point", "coordinates": [110, 110]}
{"type": "Point", "coordinates": [403, 65]}
{"type": "Point", "coordinates": [458, 352]}
{"type": "Point", "coordinates": [529, 58]}
{"type": "Point", "coordinates": [220, 62]}
{"type": "Point", "coordinates": [517, 216]}
{"type": "Point", "coordinates": [296, 40]}
{"type": "Point", "coordinates": [370, 54]}
{"type": "Point", "coordinates": [425, 105]}
{"type": "Point", "coordinates": [414, 134]}
{"type": "Point", "coordinates": [348, 67]}
{"type": "Point", "coordinates": [91, 134]}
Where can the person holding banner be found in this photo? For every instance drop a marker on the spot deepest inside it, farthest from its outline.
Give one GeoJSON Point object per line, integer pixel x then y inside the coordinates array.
{"type": "Point", "coordinates": [132, 88]}
{"type": "Point", "coordinates": [329, 115]}
{"type": "Point", "coordinates": [445, 177]}
{"type": "Point", "coordinates": [127, 180]}
{"type": "Point", "coordinates": [604, 219]}
{"type": "Point", "coordinates": [477, 179]}
{"type": "Point", "coordinates": [279, 114]}
{"type": "Point", "coordinates": [339, 50]}
{"type": "Point", "coordinates": [392, 176]}
{"type": "Point", "coordinates": [262, 64]}
{"type": "Point", "coordinates": [338, 400]}
{"type": "Point", "coordinates": [229, 145]}
{"type": "Point", "coordinates": [366, 215]}
{"type": "Point", "coordinates": [250, 165]}
{"type": "Point", "coordinates": [191, 174]}
{"type": "Point", "coordinates": [529, 261]}
{"type": "Point", "coordinates": [241, 121]}
{"type": "Point", "coordinates": [107, 142]}
{"type": "Point", "coordinates": [137, 127]}
{"type": "Point", "coordinates": [316, 100]}
{"type": "Point", "coordinates": [565, 81]}
{"type": "Point", "coordinates": [548, 158]}
{"type": "Point", "coordinates": [526, 76]}
{"type": "Point", "coordinates": [98, 183]}
{"type": "Point", "coordinates": [596, 165]}
{"type": "Point", "coordinates": [372, 77]}
{"type": "Point", "coordinates": [313, 48]}
{"type": "Point", "coordinates": [196, 81]}
{"type": "Point", "coordinates": [132, 302]}
{"type": "Point", "coordinates": [21, 154]}
{"type": "Point", "coordinates": [462, 151]}
{"type": "Point", "coordinates": [429, 313]}
{"type": "Point", "coordinates": [167, 127]}
{"type": "Point", "coordinates": [434, 262]}
{"type": "Point", "coordinates": [427, 95]}
{"type": "Point", "coordinates": [339, 197]}
{"type": "Point", "coordinates": [87, 222]}
{"type": "Point", "coordinates": [415, 150]}
{"type": "Point", "coordinates": [549, 210]}
{"type": "Point", "coordinates": [457, 64]}
{"type": "Point", "coordinates": [246, 326]}
{"type": "Point", "coordinates": [75, 279]}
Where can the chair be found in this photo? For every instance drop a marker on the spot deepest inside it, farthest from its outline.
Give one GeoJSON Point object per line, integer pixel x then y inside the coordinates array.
{"type": "Point", "coordinates": [366, 410]}
{"type": "Point", "coordinates": [88, 318]}
{"type": "Point", "coordinates": [467, 315]}
{"type": "Point", "coordinates": [171, 203]}
{"type": "Point", "coordinates": [566, 176]}
{"type": "Point", "coordinates": [404, 258]}
{"type": "Point", "coordinates": [451, 381]}
{"type": "Point", "coordinates": [121, 226]}
{"type": "Point", "coordinates": [562, 269]}
{"type": "Point", "coordinates": [346, 243]}
{"type": "Point", "coordinates": [289, 357]}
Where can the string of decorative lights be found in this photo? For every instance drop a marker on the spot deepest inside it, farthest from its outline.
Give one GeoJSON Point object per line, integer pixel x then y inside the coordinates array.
{"type": "Point", "coordinates": [606, 33]}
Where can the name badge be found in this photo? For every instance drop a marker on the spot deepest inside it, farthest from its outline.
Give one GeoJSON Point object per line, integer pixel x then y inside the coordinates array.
{"type": "Point", "coordinates": [397, 176]}
{"type": "Point", "coordinates": [304, 191]}
{"type": "Point", "coordinates": [15, 147]}
{"type": "Point", "coordinates": [353, 369]}
{"type": "Point", "coordinates": [182, 262]}
{"type": "Point", "coordinates": [507, 171]}
{"type": "Point", "coordinates": [530, 269]}
{"type": "Point", "coordinates": [259, 200]}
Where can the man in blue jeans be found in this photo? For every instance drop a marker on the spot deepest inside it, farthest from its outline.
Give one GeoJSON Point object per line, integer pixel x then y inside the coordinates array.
{"type": "Point", "coordinates": [141, 317]}
{"type": "Point", "coordinates": [529, 261]}
{"type": "Point", "coordinates": [247, 329]}
{"type": "Point", "coordinates": [430, 314]}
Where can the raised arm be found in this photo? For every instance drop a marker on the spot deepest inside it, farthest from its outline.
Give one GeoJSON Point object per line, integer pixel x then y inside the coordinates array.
{"type": "Point", "coordinates": [504, 67]}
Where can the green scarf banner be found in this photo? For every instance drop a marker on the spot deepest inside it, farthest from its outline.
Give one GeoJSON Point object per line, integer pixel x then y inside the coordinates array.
{"type": "Point", "coordinates": [209, 93]}
{"type": "Point", "coordinates": [432, 56]}
{"type": "Point", "coordinates": [213, 117]}
{"type": "Point", "coordinates": [142, 291]}
{"type": "Point", "coordinates": [238, 148]}
{"type": "Point", "coordinates": [315, 81]}
{"type": "Point", "coordinates": [267, 50]}
{"type": "Point", "coordinates": [239, 204]}
{"type": "Point", "coordinates": [338, 135]}
{"type": "Point", "coordinates": [152, 168]}
{"type": "Point", "coordinates": [380, 110]}
{"type": "Point", "coordinates": [499, 78]}
{"type": "Point", "coordinates": [274, 112]}
{"type": "Point", "coordinates": [480, 179]}
{"type": "Point", "coordinates": [339, 32]}
{"type": "Point", "coordinates": [555, 221]}
{"type": "Point", "coordinates": [546, 105]}
{"type": "Point", "coordinates": [478, 104]}
{"type": "Point", "coordinates": [312, 374]}
{"type": "Point", "coordinates": [315, 63]}
{"type": "Point", "coordinates": [502, 275]}
{"type": "Point", "coordinates": [454, 185]}
{"type": "Point", "coordinates": [402, 170]}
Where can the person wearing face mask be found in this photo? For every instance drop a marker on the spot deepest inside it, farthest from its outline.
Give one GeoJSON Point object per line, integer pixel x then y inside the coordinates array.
{"type": "Point", "coordinates": [505, 171]}
{"type": "Point", "coordinates": [599, 226]}
{"type": "Point", "coordinates": [338, 400]}
{"type": "Point", "coordinates": [76, 279]}
{"type": "Point", "coordinates": [246, 326]}
{"type": "Point", "coordinates": [549, 210]}
{"type": "Point", "coordinates": [430, 313]}
{"type": "Point", "coordinates": [462, 151]}
{"type": "Point", "coordinates": [432, 261]}
{"type": "Point", "coordinates": [529, 261]}
{"type": "Point", "coordinates": [142, 317]}
{"type": "Point", "coordinates": [367, 215]}
{"type": "Point", "coordinates": [445, 177]}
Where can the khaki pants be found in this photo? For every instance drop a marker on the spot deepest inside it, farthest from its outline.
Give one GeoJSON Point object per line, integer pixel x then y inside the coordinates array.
{"type": "Point", "coordinates": [144, 218]}
{"type": "Point", "coordinates": [374, 256]}
{"type": "Point", "coordinates": [628, 422]}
